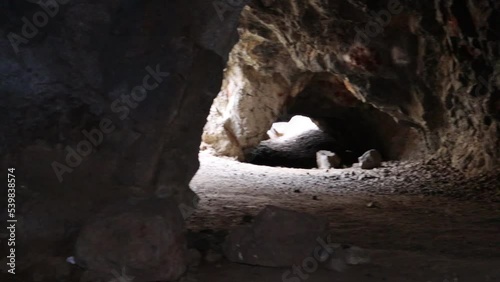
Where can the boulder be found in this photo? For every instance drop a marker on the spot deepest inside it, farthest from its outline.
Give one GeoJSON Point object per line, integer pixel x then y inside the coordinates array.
{"type": "Point", "coordinates": [144, 240]}
{"type": "Point", "coordinates": [327, 159]}
{"type": "Point", "coordinates": [297, 152]}
{"type": "Point", "coordinates": [371, 159]}
{"type": "Point", "coordinates": [276, 238]}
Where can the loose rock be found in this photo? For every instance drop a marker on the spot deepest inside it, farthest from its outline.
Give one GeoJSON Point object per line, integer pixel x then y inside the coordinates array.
{"type": "Point", "coordinates": [371, 159]}
{"type": "Point", "coordinates": [326, 159]}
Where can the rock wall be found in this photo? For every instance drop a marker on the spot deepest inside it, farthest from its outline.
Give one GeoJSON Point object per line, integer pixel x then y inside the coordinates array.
{"type": "Point", "coordinates": [103, 102]}
{"type": "Point", "coordinates": [432, 66]}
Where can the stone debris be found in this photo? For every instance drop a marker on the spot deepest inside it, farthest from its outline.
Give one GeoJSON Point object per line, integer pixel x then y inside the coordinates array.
{"type": "Point", "coordinates": [371, 205]}
{"type": "Point", "coordinates": [326, 159]}
{"type": "Point", "coordinates": [370, 160]}
{"type": "Point", "coordinates": [71, 260]}
{"type": "Point", "coordinates": [395, 177]}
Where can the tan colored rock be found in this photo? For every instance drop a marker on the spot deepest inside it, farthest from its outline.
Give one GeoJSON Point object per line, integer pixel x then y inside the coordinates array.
{"type": "Point", "coordinates": [327, 159]}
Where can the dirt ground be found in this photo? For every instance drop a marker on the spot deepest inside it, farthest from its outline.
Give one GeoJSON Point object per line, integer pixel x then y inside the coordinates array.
{"type": "Point", "coordinates": [419, 222]}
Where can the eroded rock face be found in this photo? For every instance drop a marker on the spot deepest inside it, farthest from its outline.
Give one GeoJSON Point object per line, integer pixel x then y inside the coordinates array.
{"type": "Point", "coordinates": [80, 77]}
{"type": "Point", "coordinates": [431, 66]}
{"type": "Point", "coordinates": [144, 240]}
{"type": "Point", "coordinates": [103, 102]}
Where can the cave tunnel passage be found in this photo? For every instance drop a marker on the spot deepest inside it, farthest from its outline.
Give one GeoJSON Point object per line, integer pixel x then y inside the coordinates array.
{"type": "Point", "coordinates": [104, 187]}
{"type": "Point", "coordinates": [405, 208]}
{"type": "Point", "coordinates": [338, 122]}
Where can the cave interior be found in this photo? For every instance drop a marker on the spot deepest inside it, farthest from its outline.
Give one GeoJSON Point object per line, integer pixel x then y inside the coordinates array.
{"type": "Point", "coordinates": [148, 141]}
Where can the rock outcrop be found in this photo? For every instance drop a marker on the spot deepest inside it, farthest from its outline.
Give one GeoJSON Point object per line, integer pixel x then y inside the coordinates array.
{"type": "Point", "coordinates": [103, 102]}
{"type": "Point", "coordinates": [433, 67]}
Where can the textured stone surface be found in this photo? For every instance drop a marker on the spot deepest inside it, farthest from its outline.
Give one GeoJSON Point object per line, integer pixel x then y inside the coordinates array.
{"type": "Point", "coordinates": [145, 239]}
{"type": "Point", "coordinates": [434, 69]}
{"type": "Point", "coordinates": [431, 66]}
{"type": "Point", "coordinates": [278, 237]}
{"type": "Point", "coordinates": [79, 70]}
{"type": "Point", "coordinates": [371, 159]}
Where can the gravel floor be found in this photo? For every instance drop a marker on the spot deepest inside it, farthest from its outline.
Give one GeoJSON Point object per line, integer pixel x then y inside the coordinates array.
{"type": "Point", "coordinates": [403, 205]}
{"type": "Point", "coordinates": [426, 222]}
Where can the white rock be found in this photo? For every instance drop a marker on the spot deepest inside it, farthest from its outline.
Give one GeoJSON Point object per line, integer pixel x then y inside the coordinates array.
{"type": "Point", "coordinates": [327, 159]}
{"type": "Point", "coordinates": [371, 159]}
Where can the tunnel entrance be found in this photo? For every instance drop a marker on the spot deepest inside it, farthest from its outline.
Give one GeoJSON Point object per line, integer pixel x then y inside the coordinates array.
{"type": "Point", "coordinates": [322, 116]}
{"type": "Point", "coordinates": [294, 143]}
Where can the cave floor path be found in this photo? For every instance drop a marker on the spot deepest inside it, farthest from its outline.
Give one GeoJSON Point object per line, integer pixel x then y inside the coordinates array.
{"type": "Point", "coordinates": [428, 225]}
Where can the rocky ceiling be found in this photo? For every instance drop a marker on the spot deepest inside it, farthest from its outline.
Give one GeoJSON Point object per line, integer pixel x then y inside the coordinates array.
{"type": "Point", "coordinates": [432, 66]}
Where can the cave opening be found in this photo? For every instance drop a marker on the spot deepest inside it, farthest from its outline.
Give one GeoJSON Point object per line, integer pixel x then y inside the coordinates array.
{"type": "Point", "coordinates": [323, 117]}
{"type": "Point", "coordinates": [345, 126]}
{"type": "Point", "coordinates": [104, 103]}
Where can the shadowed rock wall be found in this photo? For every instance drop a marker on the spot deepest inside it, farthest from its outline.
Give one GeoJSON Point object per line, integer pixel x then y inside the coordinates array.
{"type": "Point", "coordinates": [104, 102]}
